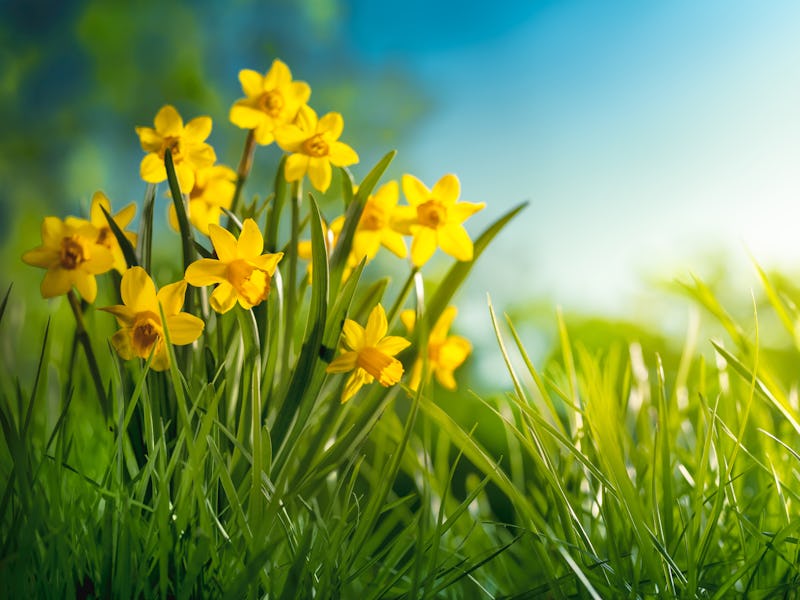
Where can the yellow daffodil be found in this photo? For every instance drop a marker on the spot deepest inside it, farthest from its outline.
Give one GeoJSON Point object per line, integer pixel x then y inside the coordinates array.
{"type": "Point", "coordinates": [72, 256]}
{"type": "Point", "coordinates": [379, 224]}
{"type": "Point", "coordinates": [272, 100]}
{"type": "Point", "coordinates": [240, 270]}
{"type": "Point", "coordinates": [445, 352]}
{"type": "Point", "coordinates": [213, 190]}
{"type": "Point", "coordinates": [142, 330]}
{"type": "Point", "coordinates": [105, 236]}
{"type": "Point", "coordinates": [187, 144]}
{"type": "Point", "coordinates": [314, 147]}
{"type": "Point", "coordinates": [332, 232]}
{"type": "Point", "coordinates": [369, 353]}
{"type": "Point", "coordinates": [438, 220]}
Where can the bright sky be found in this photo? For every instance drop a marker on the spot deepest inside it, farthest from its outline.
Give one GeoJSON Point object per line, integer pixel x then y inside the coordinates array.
{"type": "Point", "coordinates": [646, 135]}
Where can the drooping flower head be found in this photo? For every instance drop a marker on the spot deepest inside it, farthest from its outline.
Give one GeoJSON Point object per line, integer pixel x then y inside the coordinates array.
{"type": "Point", "coordinates": [187, 144]}
{"type": "Point", "coordinates": [380, 224]}
{"type": "Point", "coordinates": [314, 145]}
{"type": "Point", "coordinates": [105, 236]}
{"type": "Point", "coordinates": [72, 256]}
{"type": "Point", "coordinates": [241, 271]}
{"type": "Point", "coordinates": [369, 353]}
{"type": "Point", "coordinates": [272, 100]}
{"type": "Point", "coordinates": [445, 352]}
{"type": "Point", "coordinates": [141, 328]}
{"type": "Point", "coordinates": [438, 220]}
{"type": "Point", "coordinates": [213, 190]}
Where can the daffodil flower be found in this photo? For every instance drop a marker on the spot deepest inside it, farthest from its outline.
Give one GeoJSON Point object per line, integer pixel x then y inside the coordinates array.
{"type": "Point", "coordinates": [445, 352]}
{"type": "Point", "coordinates": [438, 220]}
{"type": "Point", "coordinates": [314, 145]}
{"type": "Point", "coordinates": [241, 271]}
{"type": "Point", "coordinates": [187, 144]}
{"type": "Point", "coordinates": [379, 224]}
{"type": "Point", "coordinates": [213, 190]}
{"type": "Point", "coordinates": [72, 256]}
{"type": "Point", "coordinates": [369, 353]}
{"type": "Point", "coordinates": [105, 236]}
{"type": "Point", "coordinates": [141, 328]}
{"type": "Point", "coordinates": [272, 100]}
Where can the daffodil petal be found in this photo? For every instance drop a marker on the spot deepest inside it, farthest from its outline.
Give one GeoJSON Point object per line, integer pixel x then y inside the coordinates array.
{"type": "Point", "coordinates": [99, 202]}
{"type": "Point", "coordinates": [55, 283]}
{"type": "Point", "coordinates": [138, 291]}
{"type": "Point", "coordinates": [423, 246]}
{"type": "Point", "coordinates": [278, 75]}
{"type": "Point", "coordinates": [463, 210]}
{"type": "Point", "coordinates": [342, 155]}
{"type": "Point", "coordinates": [392, 344]}
{"type": "Point", "coordinates": [252, 82]}
{"type": "Point", "coordinates": [263, 133]}
{"type": "Point", "coordinates": [251, 242]}
{"type": "Point", "coordinates": [377, 326]}
{"type": "Point", "coordinates": [160, 361]}
{"type": "Point", "coordinates": [395, 243]}
{"type": "Point", "coordinates": [414, 190]}
{"type": "Point", "coordinates": [408, 318]}
{"type": "Point", "coordinates": [267, 262]}
{"type": "Point", "coordinates": [152, 169]}
{"type": "Point", "coordinates": [150, 139]}
{"type": "Point", "coordinates": [245, 116]}
{"type": "Point", "coordinates": [332, 123]}
{"type": "Point", "coordinates": [41, 257]}
{"type": "Point", "coordinates": [319, 172]}
{"type": "Point", "coordinates": [290, 138]}
{"type": "Point", "coordinates": [125, 316]}
{"type": "Point", "coordinates": [121, 341]}
{"type": "Point", "coordinates": [223, 241]}
{"type": "Point", "coordinates": [223, 298]}
{"type": "Point", "coordinates": [353, 335]}
{"type": "Point", "coordinates": [85, 283]}
{"type": "Point", "coordinates": [454, 240]}
{"type": "Point", "coordinates": [343, 363]}
{"type": "Point", "coordinates": [447, 189]}
{"type": "Point", "coordinates": [52, 231]}
{"type": "Point", "coordinates": [184, 328]}
{"type": "Point", "coordinates": [171, 297]}
{"type": "Point", "coordinates": [198, 129]}
{"type": "Point", "coordinates": [354, 383]}
{"type": "Point", "coordinates": [168, 122]}
{"type": "Point", "coordinates": [296, 167]}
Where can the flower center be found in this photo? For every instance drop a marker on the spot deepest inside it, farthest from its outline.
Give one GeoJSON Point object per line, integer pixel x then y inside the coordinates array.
{"type": "Point", "coordinates": [372, 218]}
{"type": "Point", "coordinates": [104, 237]}
{"type": "Point", "coordinates": [431, 213]}
{"type": "Point", "coordinates": [386, 369]}
{"type": "Point", "coordinates": [73, 252]}
{"type": "Point", "coordinates": [271, 103]}
{"type": "Point", "coordinates": [250, 282]}
{"type": "Point", "coordinates": [315, 146]}
{"type": "Point", "coordinates": [173, 144]}
{"type": "Point", "coordinates": [146, 332]}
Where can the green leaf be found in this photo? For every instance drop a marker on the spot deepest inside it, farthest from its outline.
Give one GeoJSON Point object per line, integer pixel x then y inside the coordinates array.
{"type": "Point", "coordinates": [124, 243]}
{"type": "Point", "coordinates": [179, 200]}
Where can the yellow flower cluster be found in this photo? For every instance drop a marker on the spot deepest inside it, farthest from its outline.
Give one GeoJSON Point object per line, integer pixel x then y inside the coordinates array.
{"type": "Point", "coordinates": [274, 109]}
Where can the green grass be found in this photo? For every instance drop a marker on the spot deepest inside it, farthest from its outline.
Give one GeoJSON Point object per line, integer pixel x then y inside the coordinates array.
{"type": "Point", "coordinates": [627, 464]}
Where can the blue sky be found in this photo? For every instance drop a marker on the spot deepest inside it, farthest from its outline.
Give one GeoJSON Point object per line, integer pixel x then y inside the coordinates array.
{"type": "Point", "coordinates": [647, 136]}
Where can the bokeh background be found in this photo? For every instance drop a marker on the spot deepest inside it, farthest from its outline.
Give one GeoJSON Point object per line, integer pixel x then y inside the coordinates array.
{"type": "Point", "coordinates": [651, 139]}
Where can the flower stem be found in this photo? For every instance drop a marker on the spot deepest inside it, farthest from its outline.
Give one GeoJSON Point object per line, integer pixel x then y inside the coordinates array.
{"type": "Point", "coordinates": [83, 338]}
{"type": "Point", "coordinates": [401, 297]}
{"type": "Point", "coordinates": [291, 279]}
{"type": "Point", "coordinates": [245, 164]}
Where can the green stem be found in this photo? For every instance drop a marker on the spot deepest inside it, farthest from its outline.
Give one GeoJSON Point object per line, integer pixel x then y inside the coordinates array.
{"type": "Point", "coordinates": [401, 297]}
{"type": "Point", "coordinates": [245, 165]}
{"type": "Point", "coordinates": [290, 291]}
{"type": "Point", "coordinates": [83, 338]}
